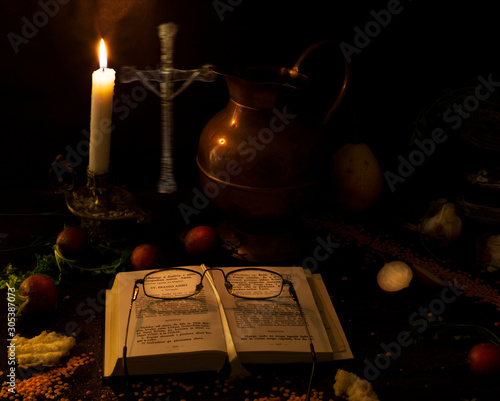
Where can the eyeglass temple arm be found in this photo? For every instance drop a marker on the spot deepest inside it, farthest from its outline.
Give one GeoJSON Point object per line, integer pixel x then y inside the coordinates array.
{"type": "Point", "coordinates": [293, 293]}
{"type": "Point", "coordinates": [135, 292]}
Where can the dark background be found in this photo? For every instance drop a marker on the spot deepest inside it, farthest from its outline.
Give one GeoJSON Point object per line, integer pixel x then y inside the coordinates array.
{"type": "Point", "coordinates": [425, 49]}
{"type": "Point", "coordinates": [46, 84]}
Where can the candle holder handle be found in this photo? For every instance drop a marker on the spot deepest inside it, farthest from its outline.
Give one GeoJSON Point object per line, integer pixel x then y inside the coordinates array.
{"type": "Point", "coordinates": [62, 176]}
{"type": "Point", "coordinates": [166, 182]}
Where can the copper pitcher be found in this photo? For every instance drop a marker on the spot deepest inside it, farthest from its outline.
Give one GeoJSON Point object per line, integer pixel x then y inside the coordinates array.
{"type": "Point", "coordinates": [260, 158]}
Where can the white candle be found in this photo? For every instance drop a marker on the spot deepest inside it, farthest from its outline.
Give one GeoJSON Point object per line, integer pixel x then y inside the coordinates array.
{"type": "Point", "coordinates": [103, 82]}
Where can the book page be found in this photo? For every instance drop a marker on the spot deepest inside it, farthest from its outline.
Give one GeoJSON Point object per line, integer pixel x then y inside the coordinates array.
{"type": "Point", "coordinates": [159, 326]}
{"type": "Point", "coordinates": [275, 325]}
{"type": "Point", "coordinates": [338, 339]}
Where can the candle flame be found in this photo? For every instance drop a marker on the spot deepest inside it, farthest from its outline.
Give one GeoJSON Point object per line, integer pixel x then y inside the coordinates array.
{"type": "Point", "coordinates": [103, 57]}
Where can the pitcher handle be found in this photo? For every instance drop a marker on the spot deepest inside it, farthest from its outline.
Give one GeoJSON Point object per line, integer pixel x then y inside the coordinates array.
{"type": "Point", "coordinates": [345, 83]}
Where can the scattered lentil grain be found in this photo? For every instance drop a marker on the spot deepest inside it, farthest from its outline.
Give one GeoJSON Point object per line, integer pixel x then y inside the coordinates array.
{"type": "Point", "coordinates": [47, 384]}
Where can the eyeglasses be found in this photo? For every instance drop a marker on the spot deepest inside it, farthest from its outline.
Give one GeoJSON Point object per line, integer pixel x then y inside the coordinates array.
{"type": "Point", "coordinates": [247, 283]}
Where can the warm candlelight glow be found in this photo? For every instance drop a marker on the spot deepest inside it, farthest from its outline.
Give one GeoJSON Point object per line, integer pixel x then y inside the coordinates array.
{"type": "Point", "coordinates": [103, 57]}
{"type": "Point", "coordinates": [101, 110]}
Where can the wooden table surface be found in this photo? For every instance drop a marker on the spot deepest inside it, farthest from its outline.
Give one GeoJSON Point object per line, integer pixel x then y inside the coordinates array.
{"type": "Point", "coordinates": [431, 369]}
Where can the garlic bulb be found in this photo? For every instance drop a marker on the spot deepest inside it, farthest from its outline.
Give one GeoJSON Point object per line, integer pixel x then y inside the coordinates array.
{"type": "Point", "coordinates": [444, 227]}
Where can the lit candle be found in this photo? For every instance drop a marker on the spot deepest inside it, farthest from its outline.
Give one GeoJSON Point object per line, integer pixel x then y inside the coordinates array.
{"type": "Point", "coordinates": [103, 82]}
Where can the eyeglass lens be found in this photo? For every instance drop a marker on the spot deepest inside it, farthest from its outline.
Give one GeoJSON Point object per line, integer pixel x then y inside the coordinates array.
{"type": "Point", "coordinates": [172, 283]}
{"type": "Point", "coordinates": [254, 283]}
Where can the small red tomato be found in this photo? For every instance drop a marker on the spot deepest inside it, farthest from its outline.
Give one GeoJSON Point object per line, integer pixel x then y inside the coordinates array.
{"type": "Point", "coordinates": [147, 256]}
{"type": "Point", "coordinates": [73, 242]}
{"type": "Point", "coordinates": [41, 294]}
{"type": "Point", "coordinates": [484, 359]}
{"type": "Point", "coordinates": [200, 241]}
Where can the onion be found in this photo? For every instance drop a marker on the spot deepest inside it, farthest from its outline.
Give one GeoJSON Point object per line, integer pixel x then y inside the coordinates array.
{"type": "Point", "coordinates": [394, 276]}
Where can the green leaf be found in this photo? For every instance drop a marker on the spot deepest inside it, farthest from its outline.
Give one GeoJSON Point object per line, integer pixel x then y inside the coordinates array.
{"type": "Point", "coordinates": [10, 277]}
{"type": "Point", "coordinates": [103, 269]}
{"type": "Point", "coordinates": [51, 265]}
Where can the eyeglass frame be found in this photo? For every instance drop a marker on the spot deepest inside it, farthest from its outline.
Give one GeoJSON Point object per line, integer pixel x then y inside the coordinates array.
{"type": "Point", "coordinates": [227, 284]}
{"type": "Point", "coordinates": [199, 288]}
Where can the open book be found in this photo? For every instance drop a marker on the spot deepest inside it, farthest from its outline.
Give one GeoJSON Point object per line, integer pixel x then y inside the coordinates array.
{"type": "Point", "coordinates": [185, 335]}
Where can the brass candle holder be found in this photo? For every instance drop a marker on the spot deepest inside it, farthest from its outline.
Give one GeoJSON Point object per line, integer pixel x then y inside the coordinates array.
{"type": "Point", "coordinates": [99, 200]}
